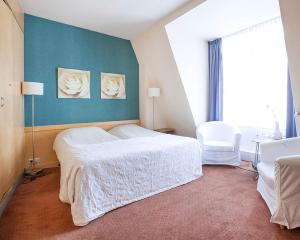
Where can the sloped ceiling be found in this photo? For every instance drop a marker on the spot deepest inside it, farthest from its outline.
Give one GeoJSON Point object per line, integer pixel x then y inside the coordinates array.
{"type": "Point", "coordinates": [125, 19]}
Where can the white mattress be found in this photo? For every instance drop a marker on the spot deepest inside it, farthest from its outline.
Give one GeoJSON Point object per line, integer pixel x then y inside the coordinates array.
{"type": "Point", "coordinates": [132, 130]}
{"type": "Point", "coordinates": [99, 177]}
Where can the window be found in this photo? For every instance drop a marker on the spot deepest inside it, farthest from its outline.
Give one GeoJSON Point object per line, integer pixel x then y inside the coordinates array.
{"type": "Point", "coordinates": [255, 76]}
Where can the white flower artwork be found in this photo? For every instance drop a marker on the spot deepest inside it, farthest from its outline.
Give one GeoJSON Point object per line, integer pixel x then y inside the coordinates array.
{"type": "Point", "coordinates": [73, 83]}
{"type": "Point", "coordinates": [113, 86]}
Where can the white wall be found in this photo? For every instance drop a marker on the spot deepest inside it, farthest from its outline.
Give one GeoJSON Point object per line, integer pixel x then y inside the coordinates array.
{"type": "Point", "coordinates": [191, 56]}
{"type": "Point", "coordinates": [290, 10]}
{"type": "Point", "coordinates": [158, 69]}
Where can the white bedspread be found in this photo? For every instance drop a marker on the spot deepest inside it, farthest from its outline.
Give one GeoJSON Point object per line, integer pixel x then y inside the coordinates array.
{"type": "Point", "coordinates": [97, 178]}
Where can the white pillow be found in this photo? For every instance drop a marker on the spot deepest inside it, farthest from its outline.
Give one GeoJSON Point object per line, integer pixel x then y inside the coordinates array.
{"type": "Point", "coordinates": [82, 136]}
{"type": "Point", "coordinates": [131, 131]}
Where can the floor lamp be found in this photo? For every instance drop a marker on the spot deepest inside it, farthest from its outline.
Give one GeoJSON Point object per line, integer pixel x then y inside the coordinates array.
{"type": "Point", "coordinates": [154, 93]}
{"type": "Point", "coordinates": [33, 89]}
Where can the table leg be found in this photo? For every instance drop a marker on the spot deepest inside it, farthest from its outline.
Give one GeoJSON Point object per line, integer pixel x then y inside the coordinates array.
{"type": "Point", "coordinates": [254, 165]}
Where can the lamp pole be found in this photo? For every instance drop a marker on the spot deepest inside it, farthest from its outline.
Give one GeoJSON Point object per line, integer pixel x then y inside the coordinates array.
{"type": "Point", "coordinates": [32, 132]}
{"type": "Point", "coordinates": [153, 112]}
{"type": "Point", "coordinates": [153, 92]}
{"type": "Point", "coordinates": [33, 88]}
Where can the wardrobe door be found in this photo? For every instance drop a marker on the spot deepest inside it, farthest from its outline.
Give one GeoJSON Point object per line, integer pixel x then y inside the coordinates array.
{"type": "Point", "coordinates": [5, 74]}
{"type": "Point", "coordinates": [17, 111]}
{"type": "Point", "coordinates": [11, 105]}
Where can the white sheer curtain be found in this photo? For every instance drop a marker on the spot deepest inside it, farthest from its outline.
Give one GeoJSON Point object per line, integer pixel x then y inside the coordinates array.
{"type": "Point", "coordinates": [255, 76]}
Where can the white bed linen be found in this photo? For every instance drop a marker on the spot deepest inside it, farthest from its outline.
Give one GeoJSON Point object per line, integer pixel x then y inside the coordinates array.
{"type": "Point", "coordinates": [132, 130]}
{"type": "Point", "coordinates": [83, 135]}
{"type": "Point", "coordinates": [97, 178]}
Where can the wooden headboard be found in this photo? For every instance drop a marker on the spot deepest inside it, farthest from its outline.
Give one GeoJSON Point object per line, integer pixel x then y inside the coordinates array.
{"type": "Point", "coordinates": [45, 135]}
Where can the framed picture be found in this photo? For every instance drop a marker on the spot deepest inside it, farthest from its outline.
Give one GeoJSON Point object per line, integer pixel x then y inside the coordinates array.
{"type": "Point", "coordinates": [73, 83]}
{"type": "Point", "coordinates": [113, 86]}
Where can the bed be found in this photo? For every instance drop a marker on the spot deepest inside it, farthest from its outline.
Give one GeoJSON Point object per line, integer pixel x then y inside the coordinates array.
{"type": "Point", "coordinates": [101, 172]}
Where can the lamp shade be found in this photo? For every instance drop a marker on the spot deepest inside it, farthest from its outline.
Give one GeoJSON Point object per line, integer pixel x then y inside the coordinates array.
{"type": "Point", "coordinates": [153, 92]}
{"type": "Point", "coordinates": [32, 88]}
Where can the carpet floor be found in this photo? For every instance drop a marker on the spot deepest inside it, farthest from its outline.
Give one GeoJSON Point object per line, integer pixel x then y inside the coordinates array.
{"type": "Point", "coordinates": [223, 204]}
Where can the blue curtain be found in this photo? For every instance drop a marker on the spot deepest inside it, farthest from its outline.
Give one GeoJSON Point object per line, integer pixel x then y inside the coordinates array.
{"type": "Point", "coordinates": [290, 120]}
{"type": "Point", "coordinates": [215, 80]}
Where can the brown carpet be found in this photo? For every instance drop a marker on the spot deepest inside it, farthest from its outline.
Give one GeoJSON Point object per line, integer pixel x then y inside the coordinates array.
{"type": "Point", "coordinates": [223, 204]}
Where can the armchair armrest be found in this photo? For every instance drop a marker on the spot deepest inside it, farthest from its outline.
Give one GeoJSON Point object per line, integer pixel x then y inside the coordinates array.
{"type": "Point", "coordinates": [199, 136]}
{"type": "Point", "coordinates": [287, 188]}
{"type": "Point", "coordinates": [297, 120]}
{"type": "Point", "coordinates": [236, 131]}
{"type": "Point", "coordinates": [237, 138]}
{"type": "Point", "coordinates": [291, 160]}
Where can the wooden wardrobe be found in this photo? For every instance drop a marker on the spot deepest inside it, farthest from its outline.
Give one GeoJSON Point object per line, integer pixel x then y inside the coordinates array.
{"type": "Point", "coordinates": [11, 100]}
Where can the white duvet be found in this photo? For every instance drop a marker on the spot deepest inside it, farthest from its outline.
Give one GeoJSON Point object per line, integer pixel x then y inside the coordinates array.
{"type": "Point", "coordinates": [97, 178]}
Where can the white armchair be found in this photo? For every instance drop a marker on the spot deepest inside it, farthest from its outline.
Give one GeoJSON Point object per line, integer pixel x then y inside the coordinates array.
{"type": "Point", "coordinates": [279, 180]}
{"type": "Point", "coordinates": [297, 120]}
{"type": "Point", "coordinates": [220, 143]}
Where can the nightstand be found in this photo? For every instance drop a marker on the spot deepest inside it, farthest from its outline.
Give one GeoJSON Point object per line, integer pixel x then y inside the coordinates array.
{"type": "Point", "coordinates": [166, 130]}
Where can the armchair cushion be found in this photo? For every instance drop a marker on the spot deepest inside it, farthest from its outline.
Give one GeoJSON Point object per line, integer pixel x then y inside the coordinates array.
{"type": "Point", "coordinates": [218, 146]}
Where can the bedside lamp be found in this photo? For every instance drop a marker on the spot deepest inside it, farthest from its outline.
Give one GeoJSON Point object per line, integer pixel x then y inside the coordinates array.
{"type": "Point", "coordinates": [33, 89]}
{"type": "Point", "coordinates": [154, 93]}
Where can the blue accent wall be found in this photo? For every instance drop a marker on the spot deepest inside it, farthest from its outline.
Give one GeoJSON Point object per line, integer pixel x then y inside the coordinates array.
{"type": "Point", "coordinates": [49, 45]}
